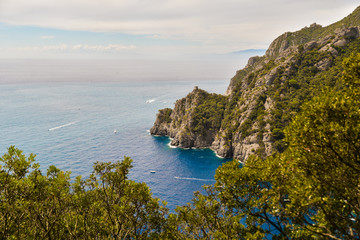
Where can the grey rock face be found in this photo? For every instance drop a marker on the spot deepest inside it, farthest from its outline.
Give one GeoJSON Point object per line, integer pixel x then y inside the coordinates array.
{"type": "Point", "coordinates": [229, 141]}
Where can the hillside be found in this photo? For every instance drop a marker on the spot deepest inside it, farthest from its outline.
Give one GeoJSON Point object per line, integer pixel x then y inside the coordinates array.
{"type": "Point", "coordinates": [264, 97]}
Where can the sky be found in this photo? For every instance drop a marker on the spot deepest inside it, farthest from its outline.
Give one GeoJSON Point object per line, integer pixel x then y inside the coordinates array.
{"type": "Point", "coordinates": [155, 30]}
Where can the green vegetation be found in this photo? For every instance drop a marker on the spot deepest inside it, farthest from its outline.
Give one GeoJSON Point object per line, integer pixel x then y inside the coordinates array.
{"type": "Point", "coordinates": [293, 84]}
{"type": "Point", "coordinates": [352, 20]}
{"type": "Point", "coordinates": [310, 191]}
{"type": "Point", "coordinates": [208, 114]}
{"type": "Point", "coordinates": [105, 206]}
{"type": "Point", "coordinates": [314, 32]}
{"type": "Point", "coordinates": [164, 115]}
{"type": "Point", "coordinates": [267, 94]}
{"type": "Point", "coordinates": [289, 90]}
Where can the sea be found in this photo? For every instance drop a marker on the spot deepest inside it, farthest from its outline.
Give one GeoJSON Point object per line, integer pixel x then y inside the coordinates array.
{"type": "Point", "coordinates": [72, 124]}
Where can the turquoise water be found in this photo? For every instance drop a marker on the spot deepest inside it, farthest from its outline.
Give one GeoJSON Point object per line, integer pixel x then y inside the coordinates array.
{"type": "Point", "coordinates": [71, 125]}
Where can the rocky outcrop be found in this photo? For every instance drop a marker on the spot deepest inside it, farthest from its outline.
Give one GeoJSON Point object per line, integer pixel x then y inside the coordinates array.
{"type": "Point", "coordinates": [262, 97]}
{"type": "Point", "coordinates": [162, 123]}
{"type": "Point", "coordinates": [185, 123]}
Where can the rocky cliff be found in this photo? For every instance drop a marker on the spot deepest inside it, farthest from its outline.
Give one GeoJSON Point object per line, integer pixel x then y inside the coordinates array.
{"type": "Point", "coordinates": [263, 97]}
{"type": "Point", "coordinates": [194, 121]}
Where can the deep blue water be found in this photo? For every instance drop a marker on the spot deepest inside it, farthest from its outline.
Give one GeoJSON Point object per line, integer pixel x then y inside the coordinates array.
{"type": "Point", "coordinates": [71, 125]}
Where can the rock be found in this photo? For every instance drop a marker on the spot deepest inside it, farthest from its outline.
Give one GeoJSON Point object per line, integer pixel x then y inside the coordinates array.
{"type": "Point", "coordinates": [279, 45]}
{"type": "Point", "coordinates": [324, 64]}
{"type": "Point", "coordinates": [329, 48]}
{"type": "Point", "coordinates": [311, 45]}
{"type": "Point", "coordinates": [161, 125]}
{"type": "Point", "coordinates": [241, 132]}
{"type": "Point", "coordinates": [270, 77]}
{"type": "Point", "coordinates": [350, 33]}
{"type": "Point", "coordinates": [252, 61]}
{"type": "Point", "coordinates": [340, 43]}
{"type": "Point", "coordinates": [314, 25]}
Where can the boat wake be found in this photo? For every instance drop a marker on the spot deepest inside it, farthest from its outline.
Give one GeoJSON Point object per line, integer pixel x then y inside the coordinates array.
{"type": "Point", "coordinates": [195, 179]}
{"type": "Point", "coordinates": [62, 126]}
{"type": "Point", "coordinates": [150, 100]}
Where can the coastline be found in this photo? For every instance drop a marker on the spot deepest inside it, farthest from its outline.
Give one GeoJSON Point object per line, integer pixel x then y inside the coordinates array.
{"type": "Point", "coordinates": [192, 148]}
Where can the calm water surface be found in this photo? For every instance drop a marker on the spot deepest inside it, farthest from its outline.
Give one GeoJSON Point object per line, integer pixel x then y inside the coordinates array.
{"type": "Point", "coordinates": [71, 125]}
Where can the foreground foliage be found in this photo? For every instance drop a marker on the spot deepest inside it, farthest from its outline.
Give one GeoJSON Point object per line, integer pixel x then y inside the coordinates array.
{"type": "Point", "coordinates": [311, 191]}
{"type": "Point", "coordinates": [106, 205]}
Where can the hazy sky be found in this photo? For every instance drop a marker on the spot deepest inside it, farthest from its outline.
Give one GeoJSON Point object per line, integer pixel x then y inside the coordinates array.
{"type": "Point", "coordinates": [115, 40]}
{"type": "Point", "coordinates": [153, 28]}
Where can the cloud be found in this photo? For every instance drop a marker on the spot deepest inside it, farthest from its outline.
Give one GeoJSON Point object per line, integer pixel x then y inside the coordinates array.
{"type": "Point", "coordinates": [78, 47]}
{"type": "Point", "coordinates": [110, 47]}
{"type": "Point", "coordinates": [232, 23]}
{"type": "Point", "coordinates": [47, 37]}
{"type": "Point", "coordinates": [59, 47]}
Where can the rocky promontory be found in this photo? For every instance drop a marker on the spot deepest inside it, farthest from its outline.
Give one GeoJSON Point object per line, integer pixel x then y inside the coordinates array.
{"type": "Point", "coordinates": [186, 125]}
{"type": "Point", "coordinates": [263, 97]}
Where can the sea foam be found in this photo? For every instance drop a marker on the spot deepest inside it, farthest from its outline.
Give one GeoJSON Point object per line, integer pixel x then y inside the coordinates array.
{"type": "Point", "coordinates": [195, 179]}
{"type": "Point", "coordinates": [61, 126]}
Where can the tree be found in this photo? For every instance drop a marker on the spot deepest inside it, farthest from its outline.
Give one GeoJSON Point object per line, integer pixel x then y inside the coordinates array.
{"type": "Point", "coordinates": [324, 142]}
{"type": "Point", "coordinates": [106, 205]}
{"type": "Point", "coordinates": [310, 191]}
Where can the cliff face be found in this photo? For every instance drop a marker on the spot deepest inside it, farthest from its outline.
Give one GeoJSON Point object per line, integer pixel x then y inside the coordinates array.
{"type": "Point", "coordinates": [187, 125]}
{"type": "Point", "coordinates": [264, 96]}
